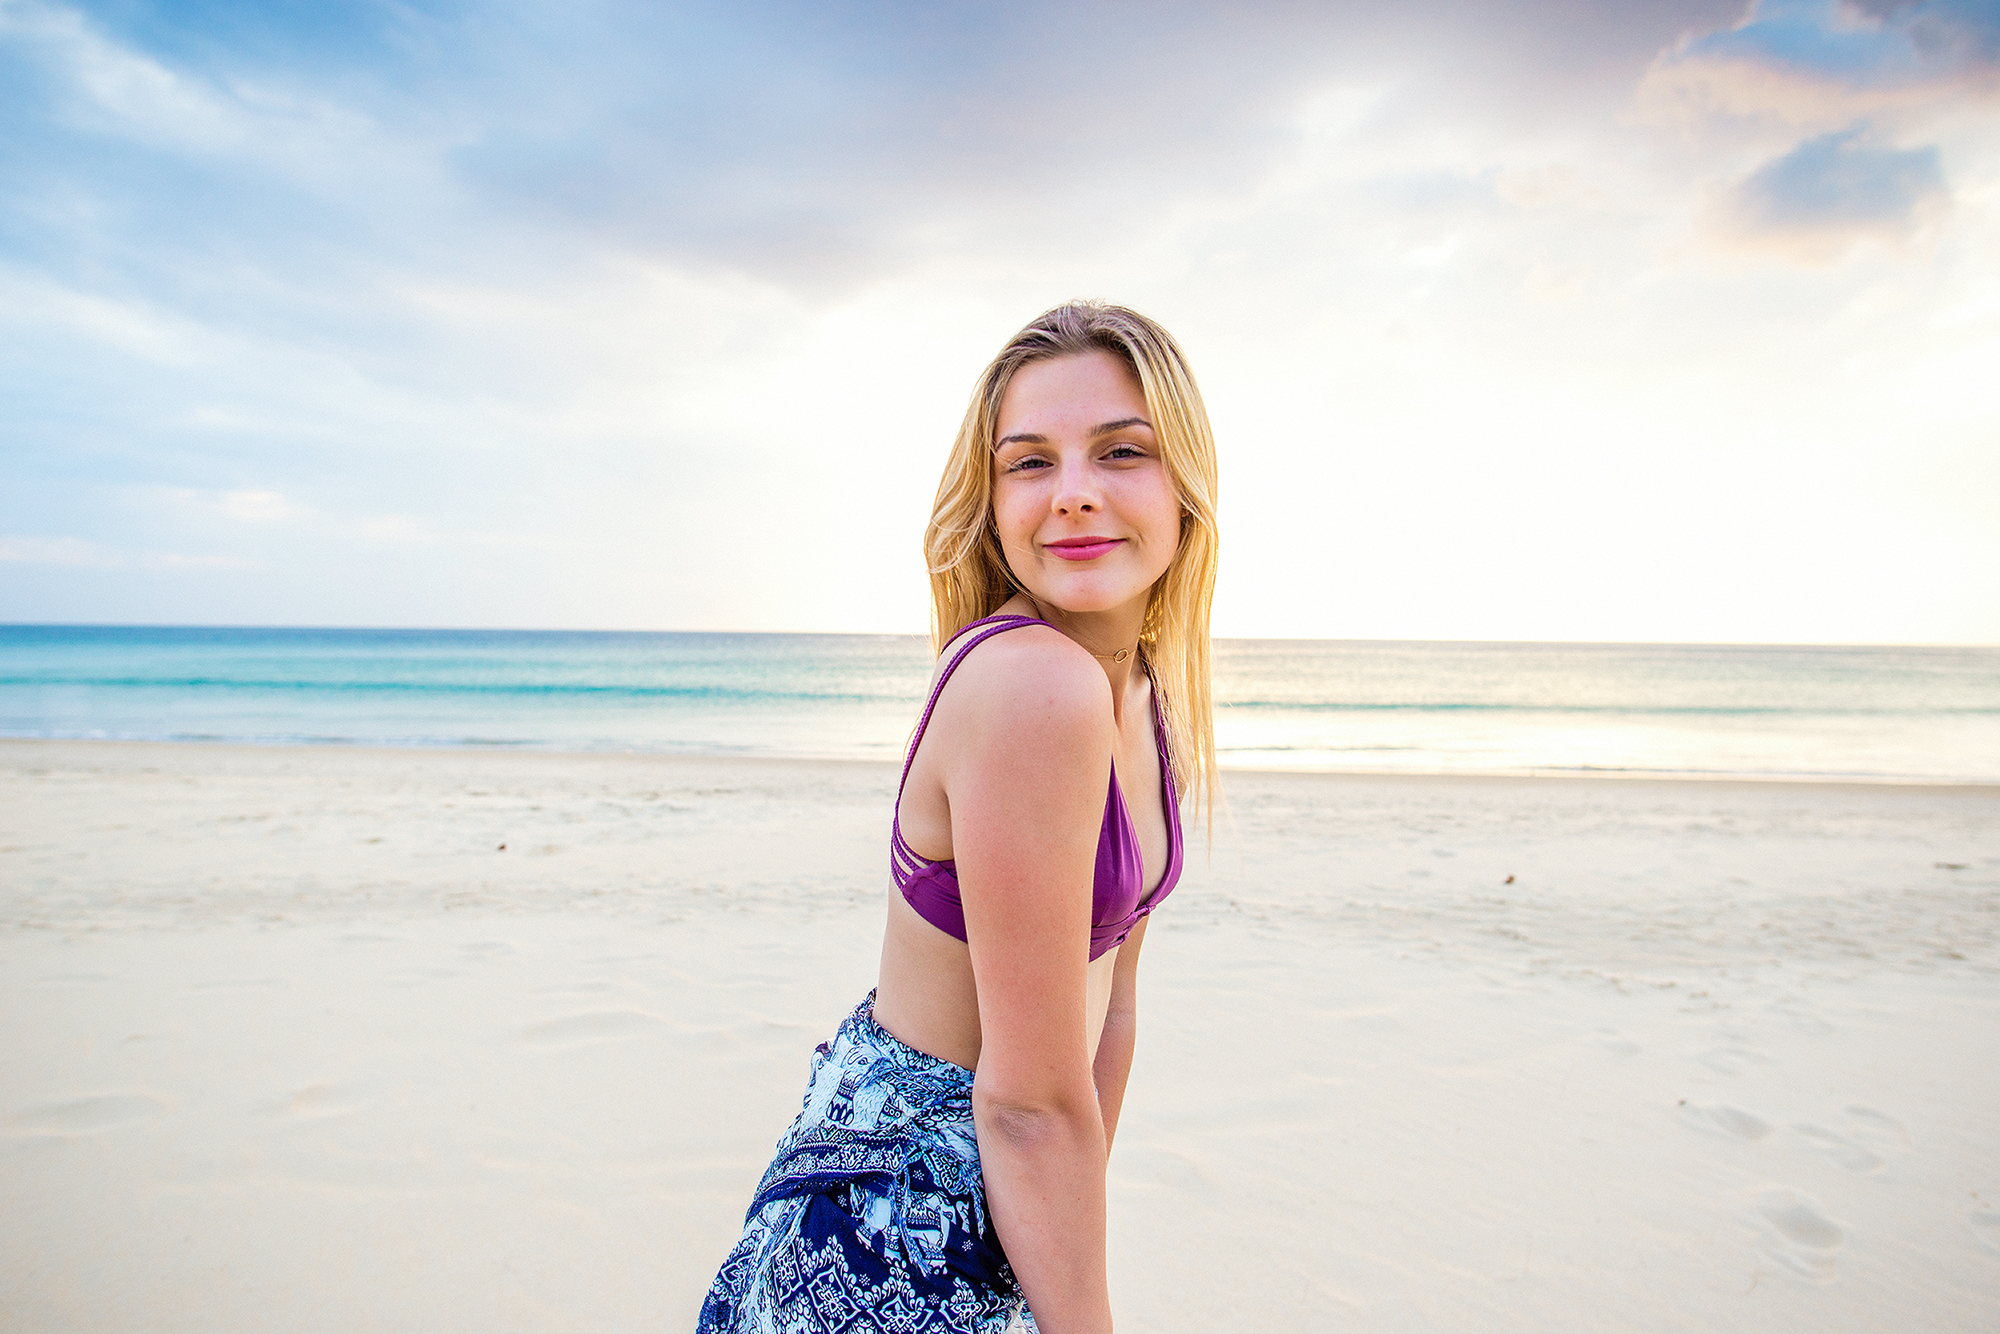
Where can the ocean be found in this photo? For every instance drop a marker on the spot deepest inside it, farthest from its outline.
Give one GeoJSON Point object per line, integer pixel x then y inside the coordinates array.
{"type": "Point", "coordinates": [1745, 711]}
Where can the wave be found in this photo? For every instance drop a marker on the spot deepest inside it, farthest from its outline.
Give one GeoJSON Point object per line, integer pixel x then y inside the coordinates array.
{"type": "Point", "coordinates": [711, 693]}
{"type": "Point", "coordinates": [261, 738]}
{"type": "Point", "coordinates": [1353, 760]}
{"type": "Point", "coordinates": [1635, 710]}
{"type": "Point", "coordinates": [591, 745]}
{"type": "Point", "coordinates": [515, 689]}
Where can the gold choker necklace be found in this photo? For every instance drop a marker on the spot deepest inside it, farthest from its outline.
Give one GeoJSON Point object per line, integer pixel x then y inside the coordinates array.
{"type": "Point", "coordinates": [1120, 656]}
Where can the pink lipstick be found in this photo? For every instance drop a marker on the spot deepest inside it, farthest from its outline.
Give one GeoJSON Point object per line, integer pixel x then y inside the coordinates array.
{"type": "Point", "coordinates": [1082, 548]}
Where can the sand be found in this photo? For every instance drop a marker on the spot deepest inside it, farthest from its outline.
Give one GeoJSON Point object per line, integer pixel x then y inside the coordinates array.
{"type": "Point", "coordinates": [292, 1044]}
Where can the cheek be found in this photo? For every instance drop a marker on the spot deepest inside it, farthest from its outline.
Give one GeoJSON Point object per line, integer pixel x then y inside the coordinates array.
{"type": "Point", "coordinates": [1006, 516]}
{"type": "Point", "coordinates": [1014, 521]}
{"type": "Point", "coordinates": [1161, 510]}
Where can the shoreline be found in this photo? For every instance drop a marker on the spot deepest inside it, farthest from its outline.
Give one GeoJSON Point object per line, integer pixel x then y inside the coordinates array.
{"type": "Point", "coordinates": [532, 751]}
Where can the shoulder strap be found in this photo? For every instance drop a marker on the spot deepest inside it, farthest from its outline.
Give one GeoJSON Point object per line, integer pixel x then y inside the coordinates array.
{"type": "Point", "coordinates": [994, 625]}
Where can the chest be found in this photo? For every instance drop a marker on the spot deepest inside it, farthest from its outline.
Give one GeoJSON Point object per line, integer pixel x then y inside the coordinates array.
{"type": "Point", "coordinates": [924, 815]}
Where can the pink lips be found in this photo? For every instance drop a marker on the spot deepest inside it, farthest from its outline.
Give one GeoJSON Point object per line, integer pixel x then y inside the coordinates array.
{"type": "Point", "coordinates": [1082, 548]}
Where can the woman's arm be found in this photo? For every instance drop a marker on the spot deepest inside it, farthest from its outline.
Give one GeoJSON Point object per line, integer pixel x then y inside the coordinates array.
{"type": "Point", "coordinates": [1025, 778]}
{"type": "Point", "coordinates": [1121, 1033]}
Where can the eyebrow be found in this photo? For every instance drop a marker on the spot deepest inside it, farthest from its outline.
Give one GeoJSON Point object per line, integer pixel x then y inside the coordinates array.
{"type": "Point", "coordinates": [1029, 438]}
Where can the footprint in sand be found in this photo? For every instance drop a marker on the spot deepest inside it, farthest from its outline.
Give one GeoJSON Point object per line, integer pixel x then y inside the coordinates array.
{"type": "Point", "coordinates": [597, 1026]}
{"type": "Point", "coordinates": [320, 1100]}
{"type": "Point", "coordinates": [1796, 1233]}
{"type": "Point", "coordinates": [1177, 1171]}
{"type": "Point", "coordinates": [1804, 1017]}
{"type": "Point", "coordinates": [417, 977]}
{"type": "Point", "coordinates": [1878, 1126]}
{"type": "Point", "coordinates": [85, 1116]}
{"type": "Point", "coordinates": [1985, 1225]}
{"type": "Point", "coordinates": [1721, 1119]}
{"type": "Point", "coordinates": [575, 989]}
{"type": "Point", "coordinates": [1840, 1149]}
{"type": "Point", "coordinates": [1732, 1060]}
{"type": "Point", "coordinates": [1370, 1021]}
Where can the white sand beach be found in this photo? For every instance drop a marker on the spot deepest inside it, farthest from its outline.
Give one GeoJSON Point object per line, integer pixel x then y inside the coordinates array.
{"type": "Point", "coordinates": [292, 1044]}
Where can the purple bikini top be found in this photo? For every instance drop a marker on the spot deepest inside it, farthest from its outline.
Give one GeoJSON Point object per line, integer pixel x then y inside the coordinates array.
{"type": "Point", "coordinates": [932, 887]}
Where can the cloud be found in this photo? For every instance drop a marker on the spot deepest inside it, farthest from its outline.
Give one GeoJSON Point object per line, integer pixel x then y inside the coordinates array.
{"type": "Point", "coordinates": [1821, 64]}
{"type": "Point", "coordinates": [1820, 123]}
{"type": "Point", "coordinates": [135, 328]}
{"type": "Point", "coordinates": [112, 89]}
{"type": "Point", "coordinates": [1835, 188]}
{"type": "Point", "coordinates": [1957, 33]}
{"type": "Point", "coordinates": [501, 312]}
{"type": "Point", "coordinates": [60, 551]}
{"type": "Point", "coordinates": [172, 560]}
{"type": "Point", "coordinates": [1875, 41]}
{"type": "Point", "coordinates": [73, 553]}
{"type": "Point", "coordinates": [822, 147]}
{"type": "Point", "coordinates": [398, 528]}
{"type": "Point", "coordinates": [257, 507]}
{"type": "Point", "coordinates": [812, 146]}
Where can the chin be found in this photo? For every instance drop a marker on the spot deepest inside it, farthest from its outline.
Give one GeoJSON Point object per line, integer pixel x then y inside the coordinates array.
{"type": "Point", "coordinates": [1084, 596]}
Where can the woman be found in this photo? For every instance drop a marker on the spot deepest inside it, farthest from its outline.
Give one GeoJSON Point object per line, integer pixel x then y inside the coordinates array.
{"type": "Point", "coordinates": [1072, 556]}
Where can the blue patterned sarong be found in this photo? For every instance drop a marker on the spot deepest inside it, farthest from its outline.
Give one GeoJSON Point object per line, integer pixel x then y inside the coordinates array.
{"type": "Point", "coordinates": [872, 1216]}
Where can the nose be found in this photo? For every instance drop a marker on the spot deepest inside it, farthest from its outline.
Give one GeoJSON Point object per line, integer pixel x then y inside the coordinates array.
{"type": "Point", "coordinates": [1076, 489]}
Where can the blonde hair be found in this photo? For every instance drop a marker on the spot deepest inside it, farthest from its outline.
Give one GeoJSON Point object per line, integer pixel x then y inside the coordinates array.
{"type": "Point", "coordinates": [970, 578]}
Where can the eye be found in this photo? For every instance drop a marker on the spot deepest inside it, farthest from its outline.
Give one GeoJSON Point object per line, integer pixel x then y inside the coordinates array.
{"type": "Point", "coordinates": [1028, 463]}
{"type": "Point", "coordinates": [1122, 451]}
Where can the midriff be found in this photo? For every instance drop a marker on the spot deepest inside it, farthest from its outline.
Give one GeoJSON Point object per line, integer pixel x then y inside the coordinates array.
{"type": "Point", "coordinates": [926, 995]}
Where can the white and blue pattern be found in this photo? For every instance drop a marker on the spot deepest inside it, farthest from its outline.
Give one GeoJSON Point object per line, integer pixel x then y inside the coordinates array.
{"type": "Point", "coordinates": [872, 1216]}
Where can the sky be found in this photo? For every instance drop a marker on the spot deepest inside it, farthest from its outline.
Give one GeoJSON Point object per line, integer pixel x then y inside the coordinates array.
{"type": "Point", "coordinates": [1543, 320]}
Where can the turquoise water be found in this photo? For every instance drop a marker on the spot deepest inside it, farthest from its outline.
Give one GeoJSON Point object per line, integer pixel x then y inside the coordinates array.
{"type": "Point", "coordinates": [1748, 711]}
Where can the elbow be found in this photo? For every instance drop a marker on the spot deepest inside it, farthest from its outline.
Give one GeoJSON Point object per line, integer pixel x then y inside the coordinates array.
{"type": "Point", "coordinates": [1034, 1123]}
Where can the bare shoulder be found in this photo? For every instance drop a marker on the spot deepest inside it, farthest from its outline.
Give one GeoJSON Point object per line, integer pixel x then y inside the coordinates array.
{"type": "Point", "coordinates": [1029, 683]}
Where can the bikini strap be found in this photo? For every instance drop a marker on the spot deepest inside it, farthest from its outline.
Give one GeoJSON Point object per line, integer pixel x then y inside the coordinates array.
{"type": "Point", "coordinates": [995, 625]}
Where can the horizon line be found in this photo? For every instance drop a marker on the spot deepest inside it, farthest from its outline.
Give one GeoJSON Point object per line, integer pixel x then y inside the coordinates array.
{"type": "Point", "coordinates": [906, 634]}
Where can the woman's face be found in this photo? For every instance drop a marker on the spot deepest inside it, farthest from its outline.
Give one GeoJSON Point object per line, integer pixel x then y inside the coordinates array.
{"type": "Point", "coordinates": [1088, 517]}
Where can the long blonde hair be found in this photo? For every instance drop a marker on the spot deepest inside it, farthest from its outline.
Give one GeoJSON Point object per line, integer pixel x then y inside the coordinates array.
{"type": "Point", "coordinates": [970, 578]}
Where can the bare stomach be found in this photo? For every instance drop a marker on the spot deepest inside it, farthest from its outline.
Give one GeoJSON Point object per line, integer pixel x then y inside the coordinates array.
{"type": "Point", "coordinates": [926, 995]}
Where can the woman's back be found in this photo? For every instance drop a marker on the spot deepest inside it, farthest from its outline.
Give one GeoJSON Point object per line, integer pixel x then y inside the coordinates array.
{"type": "Point", "coordinates": [992, 682]}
